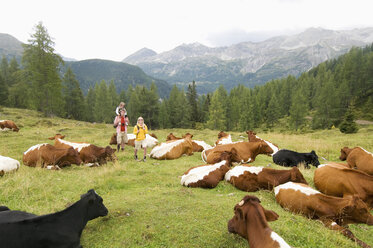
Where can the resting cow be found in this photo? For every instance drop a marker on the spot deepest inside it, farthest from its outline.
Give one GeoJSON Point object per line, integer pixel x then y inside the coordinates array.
{"type": "Point", "coordinates": [338, 180]}
{"type": "Point", "coordinates": [358, 157]}
{"type": "Point", "coordinates": [88, 153]}
{"type": "Point", "coordinates": [334, 212]}
{"type": "Point", "coordinates": [150, 140]}
{"type": "Point", "coordinates": [59, 230]}
{"type": "Point", "coordinates": [246, 151]}
{"type": "Point", "coordinates": [223, 138]}
{"type": "Point", "coordinates": [46, 155]}
{"type": "Point", "coordinates": [198, 145]}
{"type": "Point", "coordinates": [6, 125]}
{"type": "Point", "coordinates": [8, 164]}
{"type": "Point", "coordinates": [252, 137]}
{"type": "Point", "coordinates": [172, 149]}
{"type": "Point", "coordinates": [249, 178]}
{"type": "Point", "coordinates": [291, 158]}
{"type": "Point", "coordinates": [208, 175]}
{"type": "Point", "coordinates": [250, 222]}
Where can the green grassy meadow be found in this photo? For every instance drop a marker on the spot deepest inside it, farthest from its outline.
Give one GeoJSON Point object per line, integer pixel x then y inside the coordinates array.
{"type": "Point", "coordinates": [147, 205]}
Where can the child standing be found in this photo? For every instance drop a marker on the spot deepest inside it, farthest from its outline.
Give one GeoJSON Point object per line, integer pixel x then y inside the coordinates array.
{"type": "Point", "coordinates": [140, 130]}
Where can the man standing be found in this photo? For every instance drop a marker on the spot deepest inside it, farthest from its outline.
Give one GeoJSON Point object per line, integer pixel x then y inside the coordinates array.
{"type": "Point", "coordinates": [140, 130]}
{"type": "Point", "coordinates": [121, 122]}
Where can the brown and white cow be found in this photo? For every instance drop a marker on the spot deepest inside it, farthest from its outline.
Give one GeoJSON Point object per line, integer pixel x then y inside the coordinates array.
{"type": "Point", "coordinates": [334, 212]}
{"type": "Point", "coordinates": [338, 180]}
{"type": "Point", "coordinates": [223, 138]}
{"type": "Point", "coordinates": [150, 140]}
{"type": "Point", "coordinates": [198, 145]}
{"type": "Point", "coordinates": [250, 222]}
{"type": "Point", "coordinates": [46, 155]}
{"type": "Point", "coordinates": [358, 157]}
{"type": "Point", "coordinates": [172, 149]}
{"type": "Point", "coordinates": [8, 164]}
{"type": "Point", "coordinates": [207, 175]}
{"type": "Point", "coordinates": [246, 151]}
{"type": "Point", "coordinates": [252, 137]}
{"type": "Point", "coordinates": [250, 178]}
{"type": "Point", "coordinates": [88, 153]}
{"type": "Point", "coordinates": [6, 125]}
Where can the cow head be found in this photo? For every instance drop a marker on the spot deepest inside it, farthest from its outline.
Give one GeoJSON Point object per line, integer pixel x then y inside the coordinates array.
{"type": "Point", "coordinates": [153, 135]}
{"type": "Point", "coordinates": [171, 136]}
{"type": "Point", "coordinates": [264, 148]}
{"type": "Point", "coordinates": [313, 159]}
{"type": "Point", "coordinates": [230, 156]}
{"type": "Point", "coordinates": [252, 136]}
{"type": "Point", "coordinates": [188, 135]}
{"type": "Point", "coordinates": [95, 205]}
{"type": "Point", "coordinates": [221, 134]}
{"type": "Point", "coordinates": [71, 157]}
{"type": "Point", "coordinates": [296, 176]}
{"type": "Point", "coordinates": [113, 139]}
{"type": "Point", "coordinates": [356, 211]}
{"type": "Point", "coordinates": [57, 136]}
{"type": "Point", "coordinates": [245, 211]}
{"type": "Point", "coordinates": [109, 153]}
{"type": "Point", "coordinates": [344, 153]}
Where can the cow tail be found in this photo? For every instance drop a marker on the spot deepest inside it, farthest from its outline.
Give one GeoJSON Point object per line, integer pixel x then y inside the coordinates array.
{"type": "Point", "coordinates": [203, 156]}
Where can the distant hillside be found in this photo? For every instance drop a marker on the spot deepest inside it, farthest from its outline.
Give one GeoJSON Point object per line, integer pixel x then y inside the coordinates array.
{"type": "Point", "coordinates": [249, 63]}
{"type": "Point", "coordinates": [10, 47]}
{"type": "Point", "coordinates": [88, 72]}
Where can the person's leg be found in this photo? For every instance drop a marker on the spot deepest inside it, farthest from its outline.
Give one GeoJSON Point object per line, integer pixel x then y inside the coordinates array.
{"type": "Point", "coordinates": [124, 140]}
{"type": "Point", "coordinates": [135, 154]}
{"type": "Point", "coordinates": [144, 154]}
{"type": "Point", "coordinates": [118, 141]}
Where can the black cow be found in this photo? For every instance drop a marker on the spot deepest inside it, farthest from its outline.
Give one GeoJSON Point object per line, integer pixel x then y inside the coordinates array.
{"type": "Point", "coordinates": [290, 158]}
{"type": "Point", "coordinates": [7, 215]}
{"type": "Point", "coordinates": [61, 229]}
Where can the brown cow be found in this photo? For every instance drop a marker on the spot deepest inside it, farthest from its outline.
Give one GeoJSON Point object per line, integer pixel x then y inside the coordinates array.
{"type": "Point", "coordinates": [223, 138]}
{"type": "Point", "coordinates": [250, 222]}
{"type": "Point", "coordinates": [334, 212]}
{"type": "Point", "coordinates": [88, 153]}
{"type": "Point", "coordinates": [198, 145]}
{"type": "Point", "coordinates": [252, 137]}
{"type": "Point", "coordinates": [8, 125]}
{"type": "Point", "coordinates": [46, 155]}
{"type": "Point", "coordinates": [250, 178]}
{"type": "Point", "coordinates": [150, 140]}
{"type": "Point", "coordinates": [207, 175]}
{"type": "Point", "coordinates": [338, 180]}
{"type": "Point", "coordinates": [172, 149]}
{"type": "Point", "coordinates": [358, 157]}
{"type": "Point", "coordinates": [246, 151]}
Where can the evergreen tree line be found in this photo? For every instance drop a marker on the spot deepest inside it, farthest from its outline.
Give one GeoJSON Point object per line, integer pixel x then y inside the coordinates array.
{"type": "Point", "coordinates": [327, 95]}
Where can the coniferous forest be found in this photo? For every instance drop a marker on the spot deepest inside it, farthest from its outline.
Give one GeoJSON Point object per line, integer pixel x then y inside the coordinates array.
{"type": "Point", "coordinates": [332, 94]}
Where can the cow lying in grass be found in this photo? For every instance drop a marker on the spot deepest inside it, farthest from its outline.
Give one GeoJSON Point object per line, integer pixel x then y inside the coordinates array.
{"type": "Point", "coordinates": [250, 222]}
{"type": "Point", "coordinates": [249, 178]}
{"type": "Point", "coordinates": [334, 212]}
{"type": "Point", "coordinates": [51, 157]}
{"type": "Point", "coordinates": [208, 175]}
{"type": "Point", "coordinates": [198, 145]}
{"type": "Point", "coordinates": [291, 158]}
{"type": "Point", "coordinates": [338, 180]}
{"type": "Point", "coordinates": [59, 230]}
{"type": "Point", "coordinates": [89, 153]}
{"type": "Point", "coordinates": [150, 140]}
{"type": "Point", "coordinates": [252, 137]}
{"type": "Point", "coordinates": [172, 149]}
{"type": "Point", "coordinates": [6, 125]}
{"type": "Point", "coordinates": [8, 164]}
{"type": "Point", "coordinates": [359, 158]}
{"type": "Point", "coordinates": [223, 138]}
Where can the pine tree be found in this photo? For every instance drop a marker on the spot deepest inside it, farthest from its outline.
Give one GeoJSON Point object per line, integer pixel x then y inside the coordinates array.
{"type": "Point", "coordinates": [217, 111]}
{"type": "Point", "coordinates": [272, 112]}
{"type": "Point", "coordinates": [4, 70]}
{"type": "Point", "coordinates": [73, 96]}
{"type": "Point", "coordinates": [42, 64]}
{"type": "Point", "coordinates": [113, 96]}
{"type": "Point", "coordinates": [90, 114]}
{"type": "Point", "coordinates": [349, 125]}
{"type": "Point", "coordinates": [3, 91]}
{"type": "Point", "coordinates": [163, 117]}
{"type": "Point", "coordinates": [13, 72]}
{"type": "Point", "coordinates": [192, 102]}
{"type": "Point", "coordinates": [298, 110]}
{"type": "Point", "coordinates": [103, 109]}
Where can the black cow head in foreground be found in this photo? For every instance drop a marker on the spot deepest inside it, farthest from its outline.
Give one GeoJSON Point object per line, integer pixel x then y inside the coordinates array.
{"type": "Point", "coordinates": [95, 208]}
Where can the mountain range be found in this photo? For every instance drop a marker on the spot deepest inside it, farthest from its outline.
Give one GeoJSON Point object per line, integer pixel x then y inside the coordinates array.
{"type": "Point", "coordinates": [248, 63]}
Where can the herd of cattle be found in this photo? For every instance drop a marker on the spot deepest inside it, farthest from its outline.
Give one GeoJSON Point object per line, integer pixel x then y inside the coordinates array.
{"type": "Point", "coordinates": [344, 192]}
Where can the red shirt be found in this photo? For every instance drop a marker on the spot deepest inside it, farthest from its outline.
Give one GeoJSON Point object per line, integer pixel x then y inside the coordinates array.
{"type": "Point", "coordinates": [122, 124]}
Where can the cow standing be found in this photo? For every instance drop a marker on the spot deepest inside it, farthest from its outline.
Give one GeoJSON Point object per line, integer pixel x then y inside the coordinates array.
{"type": "Point", "coordinates": [358, 157]}
{"type": "Point", "coordinates": [250, 222]}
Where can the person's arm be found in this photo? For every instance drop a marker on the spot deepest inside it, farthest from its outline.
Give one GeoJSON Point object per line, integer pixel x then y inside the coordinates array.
{"type": "Point", "coordinates": [146, 129]}
{"type": "Point", "coordinates": [135, 131]}
{"type": "Point", "coordinates": [116, 120]}
{"type": "Point", "coordinates": [117, 111]}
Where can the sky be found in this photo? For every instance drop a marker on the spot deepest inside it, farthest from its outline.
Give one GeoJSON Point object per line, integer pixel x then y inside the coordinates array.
{"type": "Point", "coordinates": [115, 29]}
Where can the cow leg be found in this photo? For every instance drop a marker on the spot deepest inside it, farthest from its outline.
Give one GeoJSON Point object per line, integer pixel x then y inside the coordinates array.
{"type": "Point", "coordinates": [346, 232]}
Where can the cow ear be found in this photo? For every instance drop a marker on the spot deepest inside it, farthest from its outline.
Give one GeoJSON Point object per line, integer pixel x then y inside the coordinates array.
{"type": "Point", "coordinates": [313, 152]}
{"type": "Point", "coordinates": [51, 138]}
{"type": "Point", "coordinates": [270, 215]}
{"type": "Point", "coordinates": [241, 214]}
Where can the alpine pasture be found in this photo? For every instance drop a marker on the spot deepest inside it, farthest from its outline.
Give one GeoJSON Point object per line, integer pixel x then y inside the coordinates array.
{"type": "Point", "coordinates": [147, 205]}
